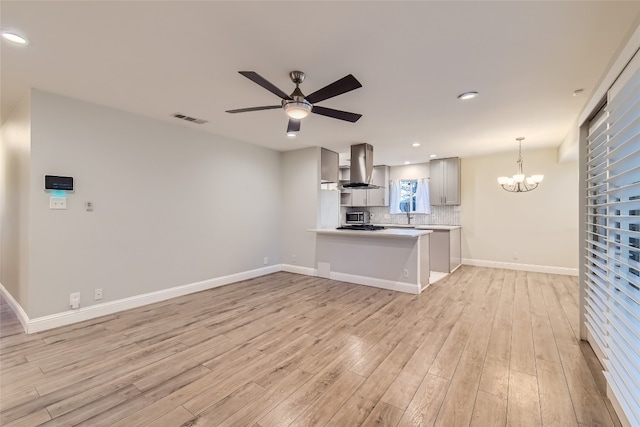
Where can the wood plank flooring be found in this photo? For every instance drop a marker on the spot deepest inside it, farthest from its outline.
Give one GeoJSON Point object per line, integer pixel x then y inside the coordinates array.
{"type": "Point", "coordinates": [481, 347]}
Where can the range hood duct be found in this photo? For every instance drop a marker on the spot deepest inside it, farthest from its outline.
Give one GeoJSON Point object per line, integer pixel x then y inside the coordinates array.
{"type": "Point", "coordinates": [361, 167]}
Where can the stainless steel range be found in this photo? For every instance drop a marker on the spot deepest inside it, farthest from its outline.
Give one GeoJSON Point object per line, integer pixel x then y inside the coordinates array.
{"type": "Point", "coordinates": [362, 227]}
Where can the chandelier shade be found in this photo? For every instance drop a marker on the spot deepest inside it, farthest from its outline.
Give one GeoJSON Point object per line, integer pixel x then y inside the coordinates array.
{"type": "Point", "coordinates": [520, 183]}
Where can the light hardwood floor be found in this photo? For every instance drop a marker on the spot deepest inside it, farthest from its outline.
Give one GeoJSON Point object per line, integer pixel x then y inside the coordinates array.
{"type": "Point", "coordinates": [482, 347]}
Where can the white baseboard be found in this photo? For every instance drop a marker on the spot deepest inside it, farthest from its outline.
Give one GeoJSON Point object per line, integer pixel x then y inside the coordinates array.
{"type": "Point", "coordinates": [358, 280]}
{"type": "Point", "coordinates": [86, 313]}
{"type": "Point", "coordinates": [289, 268]}
{"type": "Point", "coordinates": [17, 308]}
{"type": "Point", "coordinates": [377, 283]}
{"type": "Point", "coordinates": [68, 317]}
{"type": "Point", "coordinates": [521, 267]}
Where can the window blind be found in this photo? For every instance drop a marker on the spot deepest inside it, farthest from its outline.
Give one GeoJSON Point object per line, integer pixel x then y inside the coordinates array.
{"type": "Point", "coordinates": [596, 295]}
{"type": "Point", "coordinates": [612, 255]}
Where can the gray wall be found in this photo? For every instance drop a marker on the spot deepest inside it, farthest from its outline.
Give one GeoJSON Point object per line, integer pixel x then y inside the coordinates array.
{"type": "Point", "coordinates": [300, 181]}
{"type": "Point", "coordinates": [172, 205]}
{"type": "Point", "coordinates": [15, 149]}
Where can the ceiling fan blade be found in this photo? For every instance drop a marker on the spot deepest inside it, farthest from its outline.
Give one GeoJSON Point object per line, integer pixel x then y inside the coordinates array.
{"type": "Point", "coordinates": [258, 79]}
{"type": "Point", "coordinates": [244, 110]}
{"type": "Point", "coordinates": [293, 126]}
{"type": "Point", "coordinates": [336, 114]}
{"type": "Point", "coordinates": [345, 84]}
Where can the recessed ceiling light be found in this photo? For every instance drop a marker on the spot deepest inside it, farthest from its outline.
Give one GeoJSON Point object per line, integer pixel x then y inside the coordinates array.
{"type": "Point", "coordinates": [578, 92]}
{"type": "Point", "coordinates": [407, 162]}
{"type": "Point", "coordinates": [416, 144]}
{"type": "Point", "coordinates": [14, 38]}
{"type": "Point", "coordinates": [433, 156]}
{"type": "Point", "coordinates": [292, 134]}
{"type": "Point", "coordinates": [467, 95]}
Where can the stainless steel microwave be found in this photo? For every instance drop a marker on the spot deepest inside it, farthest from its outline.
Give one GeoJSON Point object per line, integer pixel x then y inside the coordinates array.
{"type": "Point", "coordinates": [358, 217]}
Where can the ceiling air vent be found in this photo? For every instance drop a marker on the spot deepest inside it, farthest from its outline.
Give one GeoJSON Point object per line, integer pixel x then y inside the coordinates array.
{"type": "Point", "coordinates": [189, 119]}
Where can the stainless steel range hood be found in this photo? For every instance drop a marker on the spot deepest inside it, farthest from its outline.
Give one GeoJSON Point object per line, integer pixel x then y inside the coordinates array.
{"type": "Point", "coordinates": [361, 167]}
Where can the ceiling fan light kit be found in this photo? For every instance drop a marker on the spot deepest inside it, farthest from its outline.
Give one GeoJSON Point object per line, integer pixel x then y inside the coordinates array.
{"type": "Point", "coordinates": [297, 109]}
{"type": "Point", "coordinates": [519, 183]}
{"type": "Point", "coordinates": [297, 106]}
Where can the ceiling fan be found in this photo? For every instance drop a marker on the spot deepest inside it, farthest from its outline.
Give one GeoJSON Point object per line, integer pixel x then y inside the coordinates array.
{"type": "Point", "coordinates": [298, 106]}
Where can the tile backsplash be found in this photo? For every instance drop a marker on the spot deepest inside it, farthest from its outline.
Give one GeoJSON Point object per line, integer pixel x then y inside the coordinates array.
{"type": "Point", "coordinates": [440, 215]}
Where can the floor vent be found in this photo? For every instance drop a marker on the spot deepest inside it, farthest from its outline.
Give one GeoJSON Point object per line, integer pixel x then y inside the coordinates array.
{"type": "Point", "coordinates": [189, 119]}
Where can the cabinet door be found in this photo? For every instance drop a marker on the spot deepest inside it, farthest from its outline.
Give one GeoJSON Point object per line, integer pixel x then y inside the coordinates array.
{"type": "Point", "coordinates": [439, 251]}
{"type": "Point", "coordinates": [345, 198]}
{"type": "Point", "coordinates": [444, 181]}
{"type": "Point", "coordinates": [379, 196]}
{"type": "Point", "coordinates": [436, 182]}
{"type": "Point", "coordinates": [455, 249]}
{"type": "Point", "coordinates": [451, 189]}
{"type": "Point", "coordinates": [328, 166]}
{"type": "Point", "coordinates": [358, 198]}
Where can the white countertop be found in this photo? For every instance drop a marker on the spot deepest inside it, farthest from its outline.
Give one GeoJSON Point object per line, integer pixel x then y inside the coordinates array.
{"type": "Point", "coordinates": [421, 227]}
{"type": "Point", "coordinates": [389, 232]}
{"type": "Point", "coordinates": [438, 227]}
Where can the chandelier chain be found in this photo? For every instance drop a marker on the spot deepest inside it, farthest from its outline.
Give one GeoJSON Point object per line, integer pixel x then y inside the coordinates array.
{"type": "Point", "coordinates": [519, 183]}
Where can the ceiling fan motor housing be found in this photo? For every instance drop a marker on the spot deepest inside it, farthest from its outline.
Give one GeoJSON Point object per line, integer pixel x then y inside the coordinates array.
{"type": "Point", "coordinates": [297, 77]}
{"type": "Point", "coordinates": [297, 107]}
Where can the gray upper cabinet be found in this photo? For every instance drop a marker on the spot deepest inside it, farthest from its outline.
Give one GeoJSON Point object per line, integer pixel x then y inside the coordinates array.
{"type": "Point", "coordinates": [364, 198]}
{"type": "Point", "coordinates": [379, 196]}
{"type": "Point", "coordinates": [328, 166]}
{"type": "Point", "coordinates": [359, 197]}
{"type": "Point", "coordinates": [444, 182]}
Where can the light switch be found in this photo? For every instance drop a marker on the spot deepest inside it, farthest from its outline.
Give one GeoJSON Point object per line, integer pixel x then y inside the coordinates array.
{"type": "Point", "coordinates": [57, 203]}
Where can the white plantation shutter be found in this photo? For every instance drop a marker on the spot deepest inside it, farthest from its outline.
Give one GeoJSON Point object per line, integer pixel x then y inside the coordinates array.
{"type": "Point", "coordinates": [612, 281]}
{"type": "Point", "coordinates": [596, 244]}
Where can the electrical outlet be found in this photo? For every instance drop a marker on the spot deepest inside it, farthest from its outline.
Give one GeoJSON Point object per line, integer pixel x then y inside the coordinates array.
{"type": "Point", "coordinates": [405, 273]}
{"type": "Point", "coordinates": [293, 259]}
{"type": "Point", "coordinates": [74, 300]}
{"type": "Point", "coordinates": [514, 255]}
{"type": "Point", "coordinates": [266, 260]}
{"type": "Point", "coordinates": [57, 203]}
{"type": "Point", "coordinates": [97, 294]}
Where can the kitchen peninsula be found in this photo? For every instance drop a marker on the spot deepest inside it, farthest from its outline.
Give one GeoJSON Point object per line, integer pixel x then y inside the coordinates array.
{"type": "Point", "coordinates": [396, 259]}
{"type": "Point", "coordinates": [445, 245]}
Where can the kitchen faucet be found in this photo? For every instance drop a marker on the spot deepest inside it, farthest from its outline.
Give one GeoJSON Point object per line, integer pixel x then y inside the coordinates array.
{"type": "Point", "coordinates": [409, 218]}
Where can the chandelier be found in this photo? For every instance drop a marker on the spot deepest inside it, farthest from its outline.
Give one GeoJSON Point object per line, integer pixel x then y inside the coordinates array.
{"type": "Point", "coordinates": [518, 183]}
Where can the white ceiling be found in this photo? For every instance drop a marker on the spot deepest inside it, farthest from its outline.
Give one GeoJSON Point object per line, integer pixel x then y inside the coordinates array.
{"type": "Point", "coordinates": [412, 58]}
